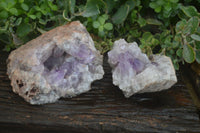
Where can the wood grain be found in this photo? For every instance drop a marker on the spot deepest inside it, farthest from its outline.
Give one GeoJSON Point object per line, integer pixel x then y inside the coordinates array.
{"type": "Point", "coordinates": [103, 109]}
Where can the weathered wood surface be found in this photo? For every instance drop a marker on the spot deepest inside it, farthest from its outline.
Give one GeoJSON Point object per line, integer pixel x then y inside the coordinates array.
{"type": "Point", "coordinates": [191, 77]}
{"type": "Point", "coordinates": [103, 109]}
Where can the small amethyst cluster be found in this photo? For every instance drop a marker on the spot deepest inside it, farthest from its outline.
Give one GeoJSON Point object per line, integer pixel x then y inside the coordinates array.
{"type": "Point", "coordinates": [134, 73]}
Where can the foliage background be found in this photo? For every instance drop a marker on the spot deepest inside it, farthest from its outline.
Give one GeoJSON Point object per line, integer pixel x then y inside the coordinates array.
{"type": "Point", "coordinates": [170, 27]}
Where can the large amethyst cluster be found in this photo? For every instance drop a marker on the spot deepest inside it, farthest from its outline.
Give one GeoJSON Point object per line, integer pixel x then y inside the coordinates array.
{"type": "Point", "coordinates": [60, 63]}
{"type": "Point", "coordinates": [134, 73]}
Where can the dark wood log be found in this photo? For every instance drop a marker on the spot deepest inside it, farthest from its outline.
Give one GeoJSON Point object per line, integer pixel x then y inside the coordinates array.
{"type": "Point", "coordinates": [191, 76]}
{"type": "Point", "coordinates": [103, 109]}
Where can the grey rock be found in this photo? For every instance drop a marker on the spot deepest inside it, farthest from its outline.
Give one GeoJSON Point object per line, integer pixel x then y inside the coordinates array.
{"type": "Point", "coordinates": [60, 63]}
{"type": "Point", "coordinates": [134, 73]}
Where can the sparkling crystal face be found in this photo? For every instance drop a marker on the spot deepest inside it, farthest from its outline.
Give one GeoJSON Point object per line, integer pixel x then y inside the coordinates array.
{"type": "Point", "coordinates": [64, 70]}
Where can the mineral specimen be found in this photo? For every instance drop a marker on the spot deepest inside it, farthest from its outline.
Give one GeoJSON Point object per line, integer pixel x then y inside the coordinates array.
{"type": "Point", "coordinates": [60, 63]}
{"type": "Point", "coordinates": [134, 73]}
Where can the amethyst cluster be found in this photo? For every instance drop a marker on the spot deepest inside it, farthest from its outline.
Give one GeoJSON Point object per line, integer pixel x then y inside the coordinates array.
{"type": "Point", "coordinates": [60, 63]}
{"type": "Point", "coordinates": [127, 61]}
{"type": "Point", "coordinates": [134, 73]}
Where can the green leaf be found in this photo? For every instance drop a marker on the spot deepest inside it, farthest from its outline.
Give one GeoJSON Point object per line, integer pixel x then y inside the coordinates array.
{"type": "Point", "coordinates": [52, 6]}
{"type": "Point", "coordinates": [44, 12]}
{"type": "Point", "coordinates": [178, 38]}
{"type": "Point", "coordinates": [26, 20]}
{"type": "Point", "coordinates": [148, 40]}
{"type": "Point", "coordinates": [168, 7]}
{"type": "Point", "coordinates": [134, 16]}
{"type": "Point", "coordinates": [191, 26]}
{"type": "Point", "coordinates": [131, 3]}
{"type": "Point", "coordinates": [18, 21]}
{"type": "Point", "coordinates": [72, 4]}
{"type": "Point", "coordinates": [153, 5]}
{"type": "Point", "coordinates": [141, 21]}
{"type": "Point", "coordinates": [101, 33]}
{"type": "Point", "coordinates": [3, 30]}
{"type": "Point", "coordinates": [96, 24]}
{"type": "Point", "coordinates": [41, 30]}
{"type": "Point", "coordinates": [153, 22]}
{"type": "Point", "coordinates": [110, 4]}
{"type": "Point", "coordinates": [147, 36]}
{"type": "Point", "coordinates": [4, 14]}
{"type": "Point", "coordinates": [101, 28]}
{"type": "Point", "coordinates": [42, 21]}
{"type": "Point", "coordinates": [3, 5]}
{"type": "Point", "coordinates": [198, 56]}
{"type": "Point", "coordinates": [101, 20]}
{"type": "Point", "coordinates": [37, 8]}
{"type": "Point", "coordinates": [194, 22]}
{"type": "Point", "coordinates": [158, 9]}
{"type": "Point", "coordinates": [175, 44]}
{"type": "Point", "coordinates": [174, 1]}
{"type": "Point", "coordinates": [13, 11]}
{"type": "Point", "coordinates": [188, 53]}
{"type": "Point", "coordinates": [179, 52]}
{"type": "Point", "coordinates": [180, 25]}
{"type": "Point", "coordinates": [38, 15]}
{"type": "Point", "coordinates": [105, 16]}
{"type": "Point", "coordinates": [195, 37]}
{"type": "Point", "coordinates": [10, 3]}
{"type": "Point", "coordinates": [166, 14]}
{"type": "Point", "coordinates": [23, 29]}
{"type": "Point", "coordinates": [108, 26]}
{"type": "Point", "coordinates": [92, 8]}
{"type": "Point", "coordinates": [32, 16]}
{"type": "Point", "coordinates": [24, 6]}
{"type": "Point", "coordinates": [160, 2]}
{"type": "Point", "coordinates": [121, 14]}
{"type": "Point", "coordinates": [189, 11]}
{"type": "Point", "coordinates": [21, 1]}
{"type": "Point", "coordinates": [135, 33]}
{"type": "Point", "coordinates": [176, 65]}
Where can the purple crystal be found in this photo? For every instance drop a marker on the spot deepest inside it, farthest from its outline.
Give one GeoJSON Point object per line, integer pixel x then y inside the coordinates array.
{"type": "Point", "coordinates": [137, 65]}
{"type": "Point", "coordinates": [54, 76]}
{"type": "Point", "coordinates": [127, 58]}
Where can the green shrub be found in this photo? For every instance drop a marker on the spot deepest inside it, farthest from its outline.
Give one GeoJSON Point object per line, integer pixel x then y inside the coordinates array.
{"type": "Point", "coordinates": [169, 27]}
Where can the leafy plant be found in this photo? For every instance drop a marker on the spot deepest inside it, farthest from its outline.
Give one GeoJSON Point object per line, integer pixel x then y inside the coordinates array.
{"type": "Point", "coordinates": [169, 27]}
{"type": "Point", "coordinates": [21, 18]}
{"type": "Point", "coordinates": [166, 9]}
{"type": "Point", "coordinates": [104, 46]}
{"type": "Point", "coordinates": [148, 42]}
{"type": "Point", "coordinates": [188, 33]}
{"type": "Point", "coordinates": [102, 26]}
